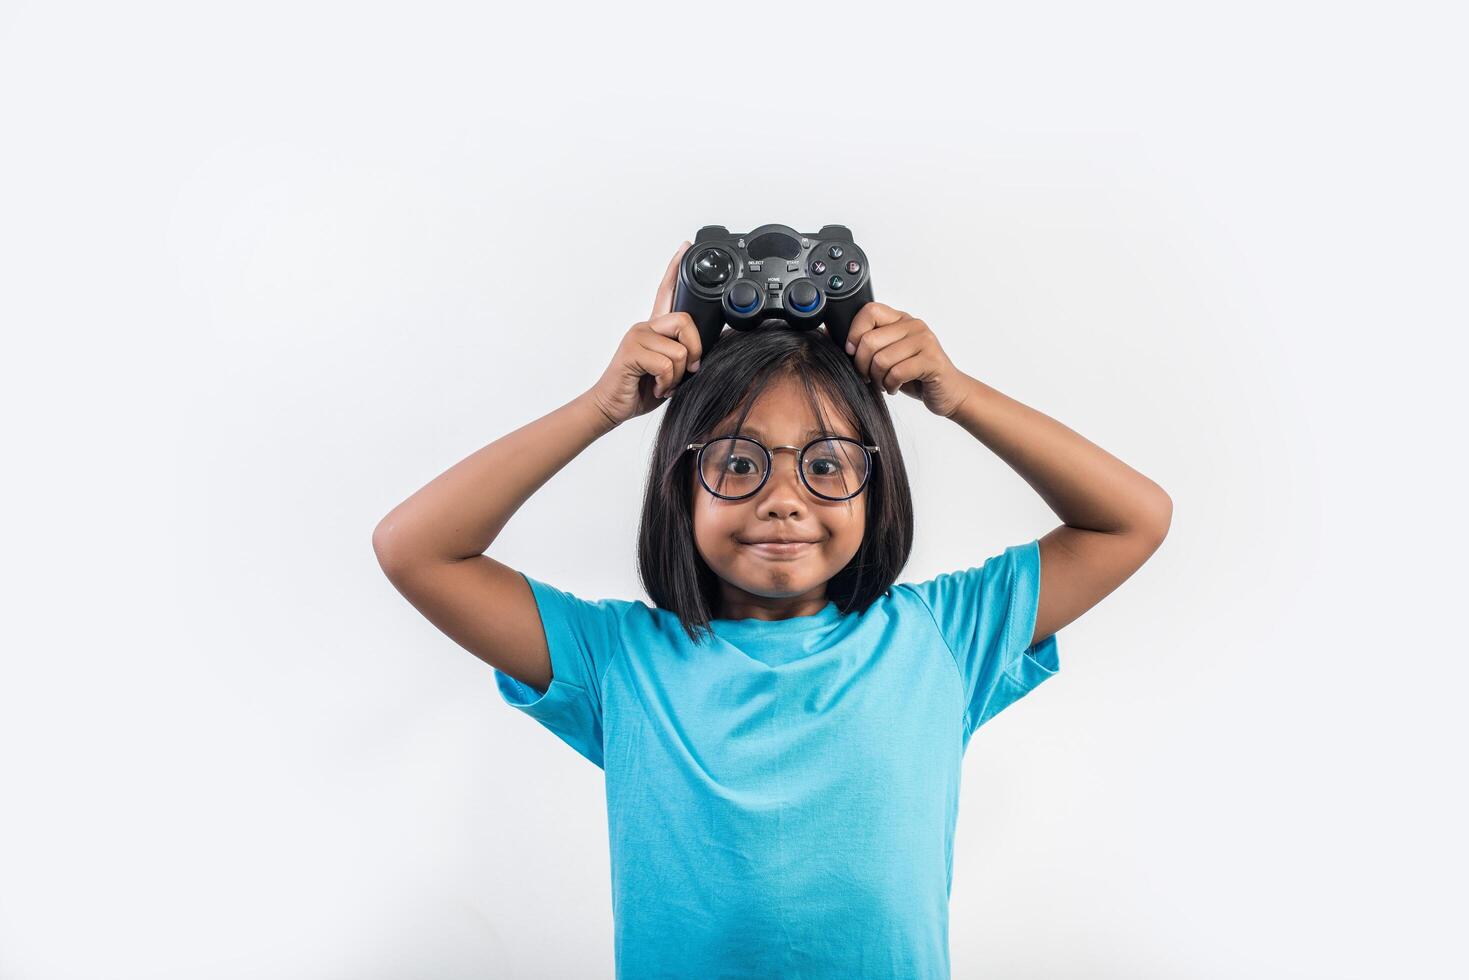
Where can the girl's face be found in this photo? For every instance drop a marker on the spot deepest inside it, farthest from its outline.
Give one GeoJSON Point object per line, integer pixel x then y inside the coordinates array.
{"type": "Point", "coordinates": [757, 584]}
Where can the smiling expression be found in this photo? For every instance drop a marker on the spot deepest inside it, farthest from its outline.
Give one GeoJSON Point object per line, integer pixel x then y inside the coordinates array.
{"type": "Point", "coordinates": [769, 580]}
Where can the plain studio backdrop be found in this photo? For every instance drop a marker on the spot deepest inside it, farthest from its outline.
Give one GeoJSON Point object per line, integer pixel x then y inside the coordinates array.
{"type": "Point", "coordinates": [267, 268]}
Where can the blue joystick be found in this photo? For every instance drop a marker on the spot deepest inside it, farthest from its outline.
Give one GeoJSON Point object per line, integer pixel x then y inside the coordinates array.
{"type": "Point", "coordinates": [803, 297]}
{"type": "Point", "coordinates": [744, 298]}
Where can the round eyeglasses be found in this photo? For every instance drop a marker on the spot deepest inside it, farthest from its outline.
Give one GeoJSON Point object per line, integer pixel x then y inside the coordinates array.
{"type": "Point", "coordinates": [832, 467]}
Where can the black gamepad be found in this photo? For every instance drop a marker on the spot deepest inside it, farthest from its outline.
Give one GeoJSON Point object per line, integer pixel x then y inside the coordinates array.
{"type": "Point", "coordinates": [772, 273]}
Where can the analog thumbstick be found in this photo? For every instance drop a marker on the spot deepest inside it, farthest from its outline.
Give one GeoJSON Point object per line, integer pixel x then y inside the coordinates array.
{"type": "Point", "coordinates": [803, 296]}
{"type": "Point", "coordinates": [744, 298]}
{"type": "Point", "coordinates": [712, 268]}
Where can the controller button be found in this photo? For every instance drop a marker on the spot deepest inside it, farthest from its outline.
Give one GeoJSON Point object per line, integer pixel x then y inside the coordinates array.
{"type": "Point", "coordinates": [803, 296]}
{"type": "Point", "coordinates": [854, 267]}
{"type": "Point", "coordinates": [744, 297]}
{"type": "Point", "coordinates": [712, 268]}
{"type": "Point", "coordinates": [835, 251]}
{"type": "Point", "coordinates": [792, 266]}
{"type": "Point", "coordinates": [755, 265]}
{"type": "Point", "coordinates": [818, 267]}
{"type": "Point", "coordinates": [836, 282]}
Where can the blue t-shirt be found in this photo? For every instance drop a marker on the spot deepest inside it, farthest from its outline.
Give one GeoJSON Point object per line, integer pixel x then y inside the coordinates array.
{"type": "Point", "coordinates": [781, 799]}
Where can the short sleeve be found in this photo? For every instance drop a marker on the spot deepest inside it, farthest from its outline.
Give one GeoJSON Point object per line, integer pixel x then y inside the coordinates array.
{"type": "Point", "coordinates": [582, 637]}
{"type": "Point", "coordinates": [987, 615]}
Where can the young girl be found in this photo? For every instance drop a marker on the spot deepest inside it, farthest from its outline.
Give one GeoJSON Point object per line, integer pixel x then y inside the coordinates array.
{"type": "Point", "coordinates": [781, 731]}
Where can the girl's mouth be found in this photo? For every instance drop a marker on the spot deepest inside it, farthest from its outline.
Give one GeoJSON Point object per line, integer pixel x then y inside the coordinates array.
{"type": "Point", "coordinates": [773, 549]}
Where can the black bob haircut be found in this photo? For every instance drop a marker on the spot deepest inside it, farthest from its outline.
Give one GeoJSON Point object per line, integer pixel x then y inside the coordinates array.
{"type": "Point", "coordinates": [731, 377]}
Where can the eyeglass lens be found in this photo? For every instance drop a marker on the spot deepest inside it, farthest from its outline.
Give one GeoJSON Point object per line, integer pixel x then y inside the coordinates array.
{"type": "Point", "coordinates": [734, 466]}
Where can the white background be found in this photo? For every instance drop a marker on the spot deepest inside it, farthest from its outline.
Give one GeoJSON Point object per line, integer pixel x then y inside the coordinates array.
{"type": "Point", "coordinates": [267, 268]}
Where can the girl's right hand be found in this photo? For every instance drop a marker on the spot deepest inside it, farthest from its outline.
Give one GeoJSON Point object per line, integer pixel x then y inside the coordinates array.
{"type": "Point", "coordinates": [652, 358]}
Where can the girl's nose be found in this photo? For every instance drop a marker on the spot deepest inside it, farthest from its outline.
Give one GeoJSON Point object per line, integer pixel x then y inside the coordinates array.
{"type": "Point", "coordinates": [784, 483]}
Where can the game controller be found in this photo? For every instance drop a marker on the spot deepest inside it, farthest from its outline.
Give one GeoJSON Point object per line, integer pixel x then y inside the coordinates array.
{"type": "Point", "coordinates": [772, 273]}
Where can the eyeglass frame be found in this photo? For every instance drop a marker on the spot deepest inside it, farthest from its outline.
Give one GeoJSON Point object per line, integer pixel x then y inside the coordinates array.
{"type": "Point", "coordinates": [770, 452]}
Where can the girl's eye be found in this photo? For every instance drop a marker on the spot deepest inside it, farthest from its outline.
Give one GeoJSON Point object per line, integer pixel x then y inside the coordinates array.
{"type": "Point", "coordinates": [734, 463]}
{"type": "Point", "coordinates": [824, 467]}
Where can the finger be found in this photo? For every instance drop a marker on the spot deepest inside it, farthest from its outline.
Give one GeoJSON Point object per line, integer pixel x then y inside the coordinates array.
{"type": "Point", "coordinates": [663, 301]}
{"type": "Point", "coordinates": [676, 354]}
{"type": "Point", "coordinates": [655, 363]}
{"type": "Point", "coordinates": [871, 315]}
{"type": "Point", "coordinates": [682, 328]}
{"type": "Point", "coordinates": [874, 340]}
{"type": "Point", "coordinates": [897, 363]}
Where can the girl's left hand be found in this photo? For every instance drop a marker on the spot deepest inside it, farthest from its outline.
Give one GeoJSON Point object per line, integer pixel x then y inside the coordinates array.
{"type": "Point", "coordinates": [899, 353]}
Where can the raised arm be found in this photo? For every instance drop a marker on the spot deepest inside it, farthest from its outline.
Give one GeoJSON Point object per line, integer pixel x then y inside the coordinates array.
{"type": "Point", "coordinates": [1115, 518]}
{"type": "Point", "coordinates": [431, 546]}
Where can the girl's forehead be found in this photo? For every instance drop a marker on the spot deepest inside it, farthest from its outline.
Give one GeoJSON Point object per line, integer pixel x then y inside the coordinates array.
{"type": "Point", "coordinates": [784, 411]}
{"type": "Point", "coordinates": [770, 425]}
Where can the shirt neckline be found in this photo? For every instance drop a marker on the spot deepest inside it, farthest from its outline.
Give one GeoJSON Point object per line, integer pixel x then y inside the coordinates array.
{"type": "Point", "coordinates": [827, 615]}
